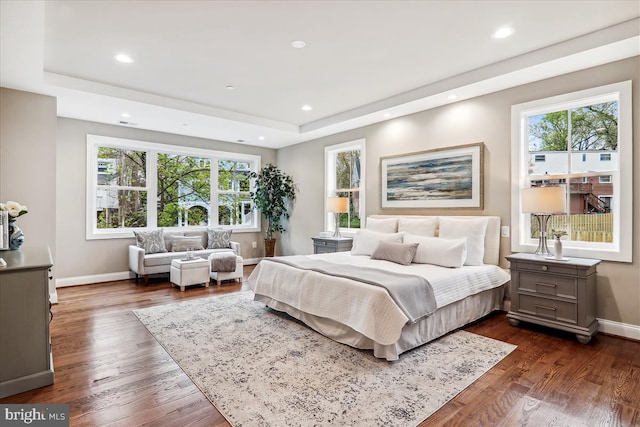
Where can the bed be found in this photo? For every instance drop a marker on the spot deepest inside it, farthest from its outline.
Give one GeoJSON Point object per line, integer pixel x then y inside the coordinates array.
{"type": "Point", "coordinates": [352, 297]}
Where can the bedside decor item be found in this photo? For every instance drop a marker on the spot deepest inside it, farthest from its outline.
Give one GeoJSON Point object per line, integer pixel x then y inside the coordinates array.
{"type": "Point", "coordinates": [557, 244]}
{"type": "Point", "coordinates": [449, 177]}
{"type": "Point", "coordinates": [274, 191]}
{"type": "Point", "coordinates": [337, 205]}
{"type": "Point", "coordinates": [13, 237]}
{"type": "Point", "coordinates": [543, 202]}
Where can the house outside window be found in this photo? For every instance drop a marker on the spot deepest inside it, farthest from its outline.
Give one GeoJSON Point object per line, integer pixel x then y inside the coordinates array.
{"type": "Point", "coordinates": [575, 132]}
{"type": "Point", "coordinates": [344, 177]}
{"type": "Point", "coordinates": [136, 185]}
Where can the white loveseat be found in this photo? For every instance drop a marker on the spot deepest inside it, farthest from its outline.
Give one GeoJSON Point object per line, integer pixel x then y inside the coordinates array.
{"type": "Point", "coordinates": [143, 264]}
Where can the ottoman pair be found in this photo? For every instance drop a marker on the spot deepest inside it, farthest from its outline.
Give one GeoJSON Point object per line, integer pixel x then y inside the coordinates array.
{"type": "Point", "coordinates": [187, 272]}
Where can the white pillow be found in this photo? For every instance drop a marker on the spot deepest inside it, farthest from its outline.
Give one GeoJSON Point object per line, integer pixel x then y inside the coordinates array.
{"type": "Point", "coordinates": [366, 241]}
{"type": "Point", "coordinates": [418, 226]}
{"type": "Point", "coordinates": [438, 251]}
{"type": "Point", "coordinates": [382, 225]}
{"type": "Point", "coordinates": [473, 229]}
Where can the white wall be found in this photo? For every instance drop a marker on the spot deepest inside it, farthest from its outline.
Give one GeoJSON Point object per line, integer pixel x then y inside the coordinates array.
{"type": "Point", "coordinates": [484, 119]}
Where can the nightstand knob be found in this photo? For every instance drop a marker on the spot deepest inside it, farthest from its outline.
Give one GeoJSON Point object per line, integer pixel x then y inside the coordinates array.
{"type": "Point", "coordinates": [545, 268]}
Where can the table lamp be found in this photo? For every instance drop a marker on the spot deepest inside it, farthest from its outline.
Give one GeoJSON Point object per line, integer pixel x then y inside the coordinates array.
{"type": "Point", "coordinates": [543, 202]}
{"type": "Point", "coordinates": [337, 205]}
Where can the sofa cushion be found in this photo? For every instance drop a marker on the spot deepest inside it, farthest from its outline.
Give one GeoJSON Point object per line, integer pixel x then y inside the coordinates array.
{"type": "Point", "coordinates": [186, 243]}
{"type": "Point", "coordinates": [219, 238]}
{"type": "Point", "coordinates": [151, 241]}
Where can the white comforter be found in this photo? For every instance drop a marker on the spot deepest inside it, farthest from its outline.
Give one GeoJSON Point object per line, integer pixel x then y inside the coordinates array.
{"type": "Point", "coordinates": [365, 308]}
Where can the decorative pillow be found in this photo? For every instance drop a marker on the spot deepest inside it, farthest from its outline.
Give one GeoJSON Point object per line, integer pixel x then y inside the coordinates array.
{"type": "Point", "coordinates": [473, 229]}
{"type": "Point", "coordinates": [182, 243]}
{"type": "Point", "coordinates": [219, 238]}
{"type": "Point", "coordinates": [382, 225]}
{"type": "Point", "coordinates": [418, 226]}
{"type": "Point", "coordinates": [366, 241]}
{"type": "Point", "coordinates": [438, 251]}
{"type": "Point", "coordinates": [151, 241]}
{"type": "Point", "coordinates": [399, 253]}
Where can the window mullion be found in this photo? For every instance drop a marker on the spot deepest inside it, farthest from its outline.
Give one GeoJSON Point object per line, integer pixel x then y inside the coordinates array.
{"type": "Point", "coordinates": [152, 188]}
{"type": "Point", "coordinates": [213, 208]}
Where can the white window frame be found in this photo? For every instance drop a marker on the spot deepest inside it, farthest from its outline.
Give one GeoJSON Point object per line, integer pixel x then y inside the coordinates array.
{"type": "Point", "coordinates": [621, 249]}
{"type": "Point", "coordinates": [152, 149]}
{"type": "Point", "coordinates": [330, 153]}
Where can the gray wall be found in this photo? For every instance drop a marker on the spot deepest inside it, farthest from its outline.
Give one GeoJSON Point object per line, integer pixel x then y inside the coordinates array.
{"type": "Point", "coordinates": [80, 257]}
{"type": "Point", "coordinates": [27, 163]}
{"type": "Point", "coordinates": [484, 119]}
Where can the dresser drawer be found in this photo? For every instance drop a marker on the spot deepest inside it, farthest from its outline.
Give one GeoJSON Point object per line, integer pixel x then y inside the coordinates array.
{"type": "Point", "coordinates": [545, 284]}
{"type": "Point", "coordinates": [323, 249]}
{"type": "Point", "coordinates": [551, 268]}
{"type": "Point", "coordinates": [561, 311]}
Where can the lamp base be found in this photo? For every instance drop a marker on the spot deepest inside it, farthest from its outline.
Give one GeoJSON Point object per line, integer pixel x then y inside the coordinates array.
{"type": "Point", "coordinates": [543, 249]}
{"type": "Point", "coordinates": [336, 233]}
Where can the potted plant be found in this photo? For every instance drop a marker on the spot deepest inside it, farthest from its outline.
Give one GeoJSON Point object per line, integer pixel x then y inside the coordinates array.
{"type": "Point", "coordinates": [274, 191]}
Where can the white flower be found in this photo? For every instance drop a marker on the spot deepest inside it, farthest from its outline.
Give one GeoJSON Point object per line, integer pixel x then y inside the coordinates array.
{"type": "Point", "coordinates": [15, 209]}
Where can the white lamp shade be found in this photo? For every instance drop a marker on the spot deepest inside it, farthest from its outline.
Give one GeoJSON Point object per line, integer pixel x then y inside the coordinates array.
{"type": "Point", "coordinates": [337, 204]}
{"type": "Point", "coordinates": [544, 200]}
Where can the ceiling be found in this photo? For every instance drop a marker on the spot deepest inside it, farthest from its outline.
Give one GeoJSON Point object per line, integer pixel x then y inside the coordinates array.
{"type": "Point", "coordinates": [364, 61]}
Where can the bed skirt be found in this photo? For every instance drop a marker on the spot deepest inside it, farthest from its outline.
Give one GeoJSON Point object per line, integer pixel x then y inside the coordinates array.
{"type": "Point", "coordinates": [442, 321]}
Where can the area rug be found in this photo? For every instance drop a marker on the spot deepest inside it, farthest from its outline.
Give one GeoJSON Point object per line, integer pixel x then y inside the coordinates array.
{"type": "Point", "coordinates": [262, 368]}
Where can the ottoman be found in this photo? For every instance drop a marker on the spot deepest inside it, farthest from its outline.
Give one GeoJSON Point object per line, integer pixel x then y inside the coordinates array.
{"type": "Point", "coordinates": [189, 272]}
{"type": "Point", "coordinates": [219, 276]}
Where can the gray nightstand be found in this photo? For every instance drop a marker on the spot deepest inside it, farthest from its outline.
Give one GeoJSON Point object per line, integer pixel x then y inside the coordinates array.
{"type": "Point", "coordinates": [557, 294]}
{"type": "Point", "coordinates": [323, 245]}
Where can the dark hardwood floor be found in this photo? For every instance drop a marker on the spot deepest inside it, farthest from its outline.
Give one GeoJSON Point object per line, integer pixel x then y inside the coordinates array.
{"type": "Point", "coordinates": [111, 371]}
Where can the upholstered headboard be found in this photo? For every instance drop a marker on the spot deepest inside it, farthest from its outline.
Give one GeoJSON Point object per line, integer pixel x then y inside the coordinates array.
{"type": "Point", "coordinates": [491, 238]}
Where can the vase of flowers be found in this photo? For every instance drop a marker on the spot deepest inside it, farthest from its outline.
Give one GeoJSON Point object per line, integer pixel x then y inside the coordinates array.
{"type": "Point", "coordinates": [15, 234]}
{"type": "Point", "coordinates": [557, 244]}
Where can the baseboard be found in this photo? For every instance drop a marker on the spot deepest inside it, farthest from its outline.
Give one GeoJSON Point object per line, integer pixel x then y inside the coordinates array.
{"type": "Point", "coordinates": [94, 278]}
{"type": "Point", "coordinates": [111, 277]}
{"type": "Point", "coordinates": [620, 329]}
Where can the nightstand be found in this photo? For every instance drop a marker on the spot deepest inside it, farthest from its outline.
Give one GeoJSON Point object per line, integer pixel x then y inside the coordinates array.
{"type": "Point", "coordinates": [557, 294]}
{"type": "Point", "coordinates": [323, 245]}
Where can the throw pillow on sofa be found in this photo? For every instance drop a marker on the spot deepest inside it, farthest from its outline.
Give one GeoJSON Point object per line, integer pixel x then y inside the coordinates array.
{"type": "Point", "coordinates": [151, 241]}
{"type": "Point", "coordinates": [218, 238]}
{"type": "Point", "coordinates": [184, 243]}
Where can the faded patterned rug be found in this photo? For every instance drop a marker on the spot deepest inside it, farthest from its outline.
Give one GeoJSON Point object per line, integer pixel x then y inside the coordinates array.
{"type": "Point", "coordinates": [262, 368]}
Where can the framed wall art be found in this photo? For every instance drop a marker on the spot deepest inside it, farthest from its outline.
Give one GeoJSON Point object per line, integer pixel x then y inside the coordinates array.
{"type": "Point", "coordinates": [442, 178]}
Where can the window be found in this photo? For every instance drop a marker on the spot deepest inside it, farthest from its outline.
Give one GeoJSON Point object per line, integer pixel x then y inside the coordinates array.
{"type": "Point", "coordinates": [575, 132]}
{"type": "Point", "coordinates": [344, 177]}
{"type": "Point", "coordinates": [135, 184]}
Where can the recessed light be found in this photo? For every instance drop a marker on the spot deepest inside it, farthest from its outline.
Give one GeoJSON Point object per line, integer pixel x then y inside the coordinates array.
{"type": "Point", "coordinates": [124, 58]}
{"type": "Point", "coordinates": [306, 108]}
{"type": "Point", "coordinates": [298, 44]}
{"type": "Point", "coordinates": [503, 32]}
{"type": "Point", "coordinates": [125, 115]}
{"type": "Point", "coordinates": [230, 87]}
{"type": "Point", "coordinates": [261, 138]}
{"type": "Point", "coordinates": [452, 96]}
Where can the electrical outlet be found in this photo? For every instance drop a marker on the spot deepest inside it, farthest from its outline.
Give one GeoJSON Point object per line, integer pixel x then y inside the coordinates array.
{"type": "Point", "coordinates": [254, 245]}
{"type": "Point", "coordinates": [504, 231]}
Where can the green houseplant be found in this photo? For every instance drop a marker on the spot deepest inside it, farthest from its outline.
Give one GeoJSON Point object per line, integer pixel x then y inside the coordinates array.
{"type": "Point", "coordinates": [274, 191]}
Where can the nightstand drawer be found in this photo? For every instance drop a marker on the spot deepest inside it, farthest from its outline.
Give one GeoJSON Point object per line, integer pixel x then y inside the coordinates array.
{"type": "Point", "coordinates": [552, 268]}
{"type": "Point", "coordinates": [546, 284]}
{"type": "Point", "coordinates": [318, 249]}
{"type": "Point", "coordinates": [548, 308]}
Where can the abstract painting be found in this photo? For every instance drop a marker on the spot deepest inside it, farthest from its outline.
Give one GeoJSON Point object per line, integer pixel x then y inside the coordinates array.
{"type": "Point", "coordinates": [441, 178]}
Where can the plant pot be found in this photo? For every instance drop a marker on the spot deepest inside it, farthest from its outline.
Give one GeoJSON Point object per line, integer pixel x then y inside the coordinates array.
{"type": "Point", "coordinates": [557, 249]}
{"type": "Point", "coordinates": [269, 247]}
